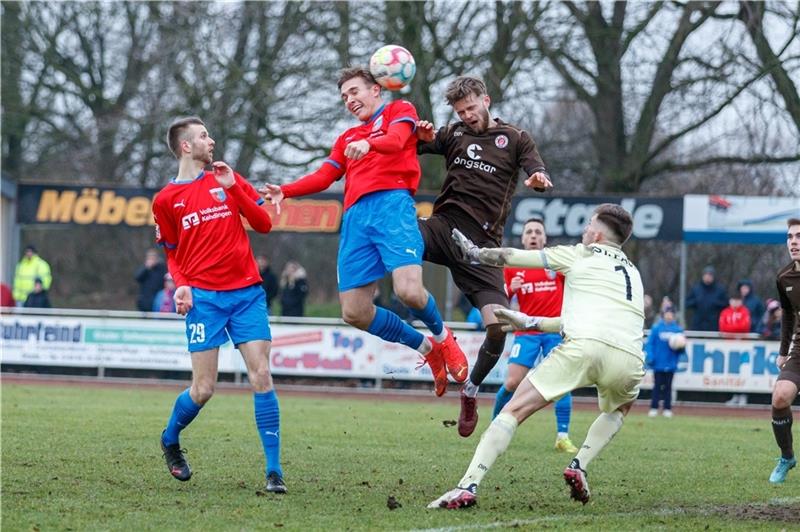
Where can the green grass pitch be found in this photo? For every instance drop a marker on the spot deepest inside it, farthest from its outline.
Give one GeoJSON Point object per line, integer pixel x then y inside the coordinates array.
{"type": "Point", "coordinates": [85, 458]}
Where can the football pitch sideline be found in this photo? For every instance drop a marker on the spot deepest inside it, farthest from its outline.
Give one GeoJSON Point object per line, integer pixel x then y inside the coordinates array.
{"type": "Point", "coordinates": [87, 458]}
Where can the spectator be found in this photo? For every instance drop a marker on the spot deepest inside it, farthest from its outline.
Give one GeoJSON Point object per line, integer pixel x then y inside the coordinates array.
{"type": "Point", "coordinates": [30, 267]}
{"type": "Point", "coordinates": [663, 360]}
{"type": "Point", "coordinates": [150, 277]}
{"type": "Point", "coordinates": [6, 298]}
{"type": "Point", "coordinates": [771, 322]}
{"type": "Point", "coordinates": [164, 300]}
{"type": "Point", "coordinates": [38, 298]}
{"type": "Point", "coordinates": [735, 318]}
{"type": "Point", "coordinates": [707, 298]}
{"type": "Point", "coordinates": [270, 280]}
{"type": "Point", "coordinates": [752, 302]}
{"type": "Point", "coordinates": [294, 289]}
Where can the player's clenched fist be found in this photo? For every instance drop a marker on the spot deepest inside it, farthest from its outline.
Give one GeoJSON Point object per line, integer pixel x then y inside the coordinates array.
{"type": "Point", "coordinates": [183, 300]}
{"type": "Point", "coordinates": [223, 174]}
{"type": "Point", "coordinates": [356, 150]}
{"type": "Point", "coordinates": [516, 283]}
{"type": "Point", "coordinates": [425, 132]}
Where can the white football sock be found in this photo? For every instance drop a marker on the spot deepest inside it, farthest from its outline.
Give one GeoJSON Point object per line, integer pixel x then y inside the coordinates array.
{"type": "Point", "coordinates": [470, 389]}
{"type": "Point", "coordinates": [600, 433]}
{"type": "Point", "coordinates": [494, 442]}
{"type": "Point", "coordinates": [425, 347]}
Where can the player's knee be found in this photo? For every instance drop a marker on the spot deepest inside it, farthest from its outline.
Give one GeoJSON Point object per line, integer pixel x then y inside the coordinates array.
{"type": "Point", "coordinates": [495, 333]}
{"type": "Point", "coordinates": [261, 380]}
{"type": "Point", "coordinates": [781, 400]}
{"type": "Point", "coordinates": [202, 392]}
{"type": "Point", "coordinates": [411, 294]}
{"type": "Point", "coordinates": [357, 317]}
{"type": "Point", "coordinates": [511, 384]}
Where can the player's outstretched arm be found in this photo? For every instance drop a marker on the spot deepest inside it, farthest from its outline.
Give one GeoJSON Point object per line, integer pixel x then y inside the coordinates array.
{"type": "Point", "coordinates": [496, 256]}
{"type": "Point", "coordinates": [511, 320]}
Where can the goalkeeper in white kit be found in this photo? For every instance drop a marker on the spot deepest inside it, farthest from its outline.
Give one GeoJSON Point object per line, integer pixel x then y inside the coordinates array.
{"type": "Point", "coordinates": [602, 321]}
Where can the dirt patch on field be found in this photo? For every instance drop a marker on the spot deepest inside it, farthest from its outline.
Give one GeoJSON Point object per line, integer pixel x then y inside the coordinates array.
{"type": "Point", "coordinates": [786, 513]}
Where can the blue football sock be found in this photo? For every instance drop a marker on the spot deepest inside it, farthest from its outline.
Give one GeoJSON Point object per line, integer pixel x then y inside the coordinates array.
{"type": "Point", "coordinates": [388, 325]}
{"type": "Point", "coordinates": [503, 396]}
{"type": "Point", "coordinates": [268, 422]}
{"type": "Point", "coordinates": [429, 315]}
{"type": "Point", "coordinates": [563, 412]}
{"type": "Point", "coordinates": [184, 411]}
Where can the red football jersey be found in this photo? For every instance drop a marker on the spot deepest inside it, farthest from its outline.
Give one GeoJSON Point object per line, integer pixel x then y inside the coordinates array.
{"type": "Point", "coordinates": [541, 293]}
{"type": "Point", "coordinates": [200, 221]}
{"type": "Point", "coordinates": [375, 171]}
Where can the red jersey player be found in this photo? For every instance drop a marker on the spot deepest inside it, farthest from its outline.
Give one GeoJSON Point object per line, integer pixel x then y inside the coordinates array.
{"type": "Point", "coordinates": [539, 292]}
{"type": "Point", "coordinates": [379, 229]}
{"type": "Point", "coordinates": [219, 290]}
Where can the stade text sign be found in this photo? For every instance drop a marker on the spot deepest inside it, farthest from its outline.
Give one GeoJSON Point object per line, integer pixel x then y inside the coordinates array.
{"type": "Point", "coordinates": [330, 351]}
{"type": "Point", "coordinates": [654, 218]}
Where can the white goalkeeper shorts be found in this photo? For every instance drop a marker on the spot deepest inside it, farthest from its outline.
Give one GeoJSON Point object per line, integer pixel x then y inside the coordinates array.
{"type": "Point", "coordinates": [577, 363]}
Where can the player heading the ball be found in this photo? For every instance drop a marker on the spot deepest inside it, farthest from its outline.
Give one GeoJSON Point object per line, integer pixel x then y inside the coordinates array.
{"type": "Point", "coordinates": [379, 235]}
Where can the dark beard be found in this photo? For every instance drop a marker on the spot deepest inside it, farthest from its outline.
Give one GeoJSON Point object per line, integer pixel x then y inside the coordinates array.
{"type": "Point", "coordinates": [483, 123]}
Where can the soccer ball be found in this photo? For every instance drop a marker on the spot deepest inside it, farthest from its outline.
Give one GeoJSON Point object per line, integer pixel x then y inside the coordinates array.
{"type": "Point", "coordinates": [677, 342]}
{"type": "Point", "coordinates": [392, 67]}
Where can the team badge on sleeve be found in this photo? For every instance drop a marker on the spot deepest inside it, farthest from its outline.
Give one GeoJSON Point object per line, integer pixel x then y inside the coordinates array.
{"type": "Point", "coordinates": [218, 193]}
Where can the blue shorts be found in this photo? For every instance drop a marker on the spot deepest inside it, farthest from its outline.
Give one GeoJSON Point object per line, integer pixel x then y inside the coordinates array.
{"type": "Point", "coordinates": [379, 234]}
{"type": "Point", "coordinates": [530, 349]}
{"type": "Point", "coordinates": [215, 315]}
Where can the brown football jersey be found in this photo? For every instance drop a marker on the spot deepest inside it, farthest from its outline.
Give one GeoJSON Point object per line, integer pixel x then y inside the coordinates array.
{"type": "Point", "coordinates": [789, 293]}
{"type": "Point", "coordinates": [483, 170]}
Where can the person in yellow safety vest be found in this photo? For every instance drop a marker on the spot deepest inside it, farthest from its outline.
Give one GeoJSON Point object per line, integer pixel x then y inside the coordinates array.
{"type": "Point", "coordinates": [30, 268]}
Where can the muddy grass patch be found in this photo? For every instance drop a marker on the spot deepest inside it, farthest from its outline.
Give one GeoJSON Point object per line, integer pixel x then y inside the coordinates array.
{"type": "Point", "coordinates": [787, 512]}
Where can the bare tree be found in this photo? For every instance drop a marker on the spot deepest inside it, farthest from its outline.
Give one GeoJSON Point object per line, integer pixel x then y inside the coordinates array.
{"type": "Point", "coordinates": [97, 57]}
{"type": "Point", "coordinates": [752, 15]}
{"type": "Point", "coordinates": [635, 127]}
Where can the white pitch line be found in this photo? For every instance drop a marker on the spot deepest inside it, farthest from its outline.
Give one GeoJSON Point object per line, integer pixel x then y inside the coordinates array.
{"type": "Point", "coordinates": [664, 512]}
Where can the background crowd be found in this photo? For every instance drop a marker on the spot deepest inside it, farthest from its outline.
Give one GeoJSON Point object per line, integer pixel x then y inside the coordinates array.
{"type": "Point", "coordinates": [710, 306]}
{"type": "Point", "coordinates": [156, 287]}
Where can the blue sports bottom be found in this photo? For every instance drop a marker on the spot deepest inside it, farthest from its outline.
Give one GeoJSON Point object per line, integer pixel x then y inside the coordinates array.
{"type": "Point", "coordinates": [379, 234]}
{"type": "Point", "coordinates": [217, 314]}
